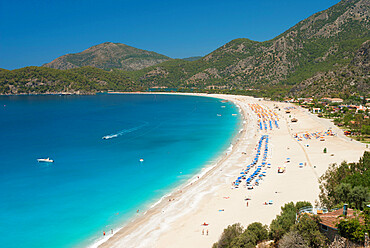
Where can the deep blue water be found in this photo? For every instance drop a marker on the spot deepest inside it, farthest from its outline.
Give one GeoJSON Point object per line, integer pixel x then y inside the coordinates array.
{"type": "Point", "coordinates": [94, 184]}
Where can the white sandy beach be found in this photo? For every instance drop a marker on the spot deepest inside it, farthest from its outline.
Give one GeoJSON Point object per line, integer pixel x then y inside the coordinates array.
{"type": "Point", "coordinates": [177, 223]}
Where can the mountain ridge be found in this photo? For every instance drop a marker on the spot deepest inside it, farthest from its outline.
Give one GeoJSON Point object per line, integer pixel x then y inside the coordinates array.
{"type": "Point", "coordinates": [318, 43]}
{"type": "Point", "coordinates": [322, 45]}
{"type": "Point", "coordinates": [107, 56]}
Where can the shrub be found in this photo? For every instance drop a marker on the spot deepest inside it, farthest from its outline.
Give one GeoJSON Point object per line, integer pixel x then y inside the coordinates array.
{"type": "Point", "coordinates": [283, 222]}
{"type": "Point", "coordinates": [292, 239]}
{"type": "Point", "coordinates": [346, 183]}
{"type": "Point", "coordinates": [352, 229]}
{"type": "Point", "coordinates": [228, 235]}
{"type": "Point", "coordinates": [234, 236]}
{"type": "Point", "coordinates": [259, 230]}
{"type": "Point", "coordinates": [308, 228]}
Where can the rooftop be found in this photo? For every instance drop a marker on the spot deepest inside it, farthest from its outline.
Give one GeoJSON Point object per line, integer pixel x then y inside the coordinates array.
{"type": "Point", "coordinates": [331, 219]}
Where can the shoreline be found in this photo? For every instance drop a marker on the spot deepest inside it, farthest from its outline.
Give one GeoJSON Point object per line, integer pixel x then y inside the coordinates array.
{"type": "Point", "coordinates": [190, 184]}
{"type": "Point", "coordinates": [178, 222]}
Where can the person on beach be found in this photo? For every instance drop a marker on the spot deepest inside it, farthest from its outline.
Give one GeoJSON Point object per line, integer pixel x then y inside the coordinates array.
{"type": "Point", "coordinates": [203, 232]}
{"type": "Point", "coordinates": [207, 232]}
{"type": "Point", "coordinates": [103, 233]}
{"type": "Point", "coordinates": [247, 204]}
{"type": "Point", "coordinates": [111, 231]}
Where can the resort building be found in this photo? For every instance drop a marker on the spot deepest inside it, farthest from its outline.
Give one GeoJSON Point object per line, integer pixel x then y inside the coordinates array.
{"type": "Point", "coordinates": [329, 221]}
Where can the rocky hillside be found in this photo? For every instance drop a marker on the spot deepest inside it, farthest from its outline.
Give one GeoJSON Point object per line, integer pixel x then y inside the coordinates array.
{"type": "Point", "coordinates": [109, 56]}
{"type": "Point", "coordinates": [317, 44]}
{"type": "Point", "coordinates": [340, 82]}
{"type": "Point", "coordinates": [326, 53]}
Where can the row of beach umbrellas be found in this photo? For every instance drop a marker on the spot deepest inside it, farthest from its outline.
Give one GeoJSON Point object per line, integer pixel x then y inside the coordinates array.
{"type": "Point", "coordinates": [257, 172]}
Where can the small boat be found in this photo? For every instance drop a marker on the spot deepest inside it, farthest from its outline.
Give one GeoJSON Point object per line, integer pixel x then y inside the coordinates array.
{"type": "Point", "coordinates": [46, 160]}
{"type": "Point", "coordinates": [109, 136]}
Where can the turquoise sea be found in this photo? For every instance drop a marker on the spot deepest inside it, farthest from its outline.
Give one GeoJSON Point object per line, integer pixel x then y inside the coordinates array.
{"type": "Point", "coordinates": [96, 184]}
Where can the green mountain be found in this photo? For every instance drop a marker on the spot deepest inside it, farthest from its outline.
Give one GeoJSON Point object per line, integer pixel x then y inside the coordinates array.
{"type": "Point", "coordinates": [342, 80]}
{"type": "Point", "coordinates": [108, 56]}
{"type": "Point", "coordinates": [43, 80]}
{"type": "Point", "coordinates": [325, 54]}
{"type": "Point", "coordinates": [320, 43]}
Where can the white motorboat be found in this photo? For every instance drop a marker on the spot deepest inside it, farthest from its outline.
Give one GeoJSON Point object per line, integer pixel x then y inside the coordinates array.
{"type": "Point", "coordinates": [109, 136]}
{"type": "Point", "coordinates": [46, 160]}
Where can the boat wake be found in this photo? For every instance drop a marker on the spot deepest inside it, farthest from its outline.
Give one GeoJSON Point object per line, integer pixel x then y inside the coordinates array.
{"type": "Point", "coordinates": [123, 132]}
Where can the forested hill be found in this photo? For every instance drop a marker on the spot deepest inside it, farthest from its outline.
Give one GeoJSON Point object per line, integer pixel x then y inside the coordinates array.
{"type": "Point", "coordinates": [322, 42]}
{"type": "Point", "coordinates": [84, 80]}
{"type": "Point", "coordinates": [327, 49]}
{"type": "Point", "coordinates": [108, 56]}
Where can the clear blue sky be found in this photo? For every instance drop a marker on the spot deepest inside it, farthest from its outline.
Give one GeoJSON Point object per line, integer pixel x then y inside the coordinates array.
{"type": "Point", "coordinates": [36, 32]}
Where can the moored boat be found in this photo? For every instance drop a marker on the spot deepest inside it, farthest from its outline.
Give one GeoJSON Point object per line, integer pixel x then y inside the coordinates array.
{"type": "Point", "coordinates": [46, 160]}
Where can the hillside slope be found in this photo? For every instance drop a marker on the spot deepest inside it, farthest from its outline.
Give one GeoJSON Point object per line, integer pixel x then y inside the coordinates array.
{"type": "Point", "coordinates": [326, 53]}
{"type": "Point", "coordinates": [108, 56]}
{"type": "Point", "coordinates": [343, 80]}
{"type": "Point", "coordinates": [42, 80]}
{"type": "Point", "coordinates": [317, 44]}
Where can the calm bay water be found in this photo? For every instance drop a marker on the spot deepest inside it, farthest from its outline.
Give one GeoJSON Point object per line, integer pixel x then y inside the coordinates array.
{"type": "Point", "coordinates": [95, 184]}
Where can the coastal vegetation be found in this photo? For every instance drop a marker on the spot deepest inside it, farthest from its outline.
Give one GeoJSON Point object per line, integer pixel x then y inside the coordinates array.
{"type": "Point", "coordinates": [84, 80]}
{"type": "Point", "coordinates": [347, 183]}
{"type": "Point", "coordinates": [236, 236]}
{"type": "Point", "coordinates": [354, 229]}
{"type": "Point", "coordinates": [283, 222]}
{"type": "Point", "coordinates": [325, 54]}
{"type": "Point", "coordinates": [284, 230]}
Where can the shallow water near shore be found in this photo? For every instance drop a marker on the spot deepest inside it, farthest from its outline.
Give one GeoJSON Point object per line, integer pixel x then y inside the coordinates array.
{"type": "Point", "coordinates": [96, 184]}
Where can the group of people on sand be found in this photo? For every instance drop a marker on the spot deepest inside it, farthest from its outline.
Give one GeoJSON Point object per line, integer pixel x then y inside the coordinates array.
{"type": "Point", "coordinates": [316, 135]}
{"type": "Point", "coordinates": [206, 232]}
